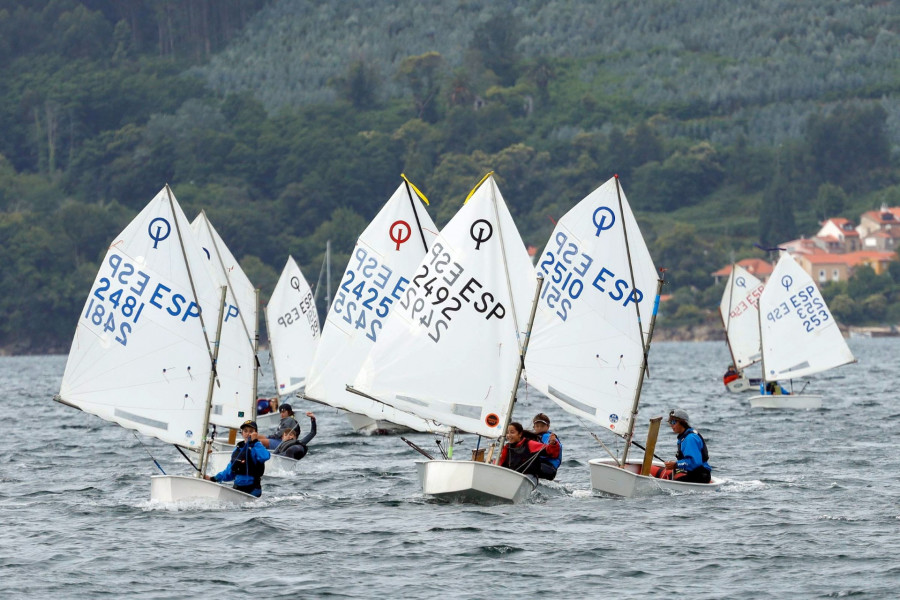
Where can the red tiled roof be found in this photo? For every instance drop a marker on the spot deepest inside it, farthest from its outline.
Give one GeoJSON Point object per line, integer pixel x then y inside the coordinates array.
{"type": "Point", "coordinates": [851, 259]}
{"type": "Point", "coordinates": [754, 266]}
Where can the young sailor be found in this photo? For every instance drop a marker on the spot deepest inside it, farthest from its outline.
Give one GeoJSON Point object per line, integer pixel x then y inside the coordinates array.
{"type": "Point", "coordinates": [691, 464]}
{"type": "Point", "coordinates": [286, 423]}
{"type": "Point", "coordinates": [730, 375]}
{"type": "Point", "coordinates": [523, 455]}
{"type": "Point", "coordinates": [549, 464]}
{"type": "Point", "coordinates": [248, 462]}
{"type": "Point", "coordinates": [291, 447]}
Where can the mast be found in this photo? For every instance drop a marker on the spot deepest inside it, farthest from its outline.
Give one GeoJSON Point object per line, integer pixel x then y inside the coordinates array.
{"type": "Point", "coordinates": [204, 455]}
{"type": "Point", "coordinates": [637, 396]}
{"type": "Point", "coordinates": [328, 275]}
{"type": "Point", "coordinates": [256, 359]}
{"type": "Point", "coordinates": [726, 324]}
{"type": "Point", "coordinates": [271, 360]}
{"type": "Point", "coordinates": [187, 267]}
{"type": "Point", "coordinates": [645, 344]}
{"type": "Point", "coordinates": [522, 350]}
{"type": "Point", "coordinates": [762, 354]}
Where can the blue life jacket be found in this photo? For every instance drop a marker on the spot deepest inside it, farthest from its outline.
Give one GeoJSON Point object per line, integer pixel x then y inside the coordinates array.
{"type": "Point", "coordinates": [549, 460]}
{"type": "Point", "coordinates": [704, 453]}
{"type": "Point", "coordinates": [246, 469]}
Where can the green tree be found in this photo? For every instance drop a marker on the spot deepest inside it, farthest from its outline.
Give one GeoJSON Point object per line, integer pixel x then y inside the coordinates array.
{"type": "Point", "coordinates": [495, 42]}
{"type": "Point", "coordinates": [359, 86]}
{"type": "Point", "coordinates": [422, 75]}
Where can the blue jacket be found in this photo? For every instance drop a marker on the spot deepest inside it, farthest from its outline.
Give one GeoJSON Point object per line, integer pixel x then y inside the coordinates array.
{"type": "Point", "coordinates": [692, 453]}
{"type": "Point", "coordinates": [247, 465]}
{"type": "Point", "coordinates": [549, 460]}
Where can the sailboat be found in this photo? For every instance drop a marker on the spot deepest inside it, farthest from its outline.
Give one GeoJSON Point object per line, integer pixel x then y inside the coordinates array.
{"type": "Point", "coordinates": [798, 335]}
{"type": "Point", "coordinates": [451, 350]}
{"type": "Point", "coordinates": [593, 328]}
{"type": "Point", "coordinates": [292, 323]}
{"type": "Point", "coordinates": [380, 268]}
{"type": "Point", "coordinates": [148, 339]}
{"type": "Point", "coordinates": [739, 310]}
{"type": "Point", "coordinates": [238, 358]}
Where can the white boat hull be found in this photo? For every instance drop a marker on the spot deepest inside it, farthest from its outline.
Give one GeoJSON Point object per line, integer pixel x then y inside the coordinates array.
{"type": "Point", "coordinates": [469, 481]}
{"type": "Point", "coordinates": [363, 424]}
{"type": "Point", "coordinates": [267, 422]}
{"type": "Point", "coordinates": [742, 384]}
{"type": "Point", "coordinates": [176, 488]}
{"type": "Point", "coordinates": [276, 465]}
{"type": "Point", "coordinates": [787, 401]}
{"type": "Point", "coordinates": [609, 478]}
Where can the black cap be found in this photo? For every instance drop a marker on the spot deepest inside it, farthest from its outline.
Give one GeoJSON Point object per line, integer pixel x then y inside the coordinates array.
{"type": "Point", "coordinates": [249, 423]}
{"type": "Point", "coordinates": [286, 407]}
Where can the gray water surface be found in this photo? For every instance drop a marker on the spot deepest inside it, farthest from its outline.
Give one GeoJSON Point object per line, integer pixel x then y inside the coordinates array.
{"type": "Point", "coordinates": [810, 508]}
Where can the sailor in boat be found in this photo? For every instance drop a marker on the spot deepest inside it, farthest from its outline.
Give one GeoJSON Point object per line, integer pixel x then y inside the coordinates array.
{"type": "Point", "coordinates": [692, 458]}
{"type": "Point", "coordinates": [291, 447]}
{"type": "Point", "coordinates": [248, 463]}
{"type": "Point", "coordinates": [549, 464]}
{"type": "Point", "coordinates": [523, 455]}
{"type": "Point", "coordinates": [263, 406]}
{"type": "Point", "coordinates": [774, 388]}
{"type": "Point", "coordinates": [287, 423]}
{"type": "Point", "coordinates": [730, 375]}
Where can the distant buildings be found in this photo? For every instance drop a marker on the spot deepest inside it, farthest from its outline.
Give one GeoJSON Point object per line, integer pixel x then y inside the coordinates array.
{"type": "Point", "coordinates": [838, 248]}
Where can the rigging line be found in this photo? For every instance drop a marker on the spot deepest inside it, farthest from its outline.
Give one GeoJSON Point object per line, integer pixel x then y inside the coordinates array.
{"type": "Point", "coordinates": [189, 273]}
{"type": "Point", "coordinates": [187, 458]}
{"type": "Point", "coordinates": [319, 280]}
{"type": "Point", "coordinates": [215, 245]}
{"type": "Point", "coordinates": [412, 204]}
{"type": "Point", "coordinates": [597, 438]}
{"type": "Point", "coordinates": [148, 452]}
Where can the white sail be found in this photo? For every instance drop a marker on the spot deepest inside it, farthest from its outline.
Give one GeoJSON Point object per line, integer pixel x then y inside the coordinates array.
{"type": "Point", "coordinates": [380, 269]}
{"type": "Point", "coordinates": [740, 314]}
{"type": "Point", "coordinates": [141, 356]}
{"type": "Point", "coordinates": [450, 348]}
{"type": "Point", "coordinates": [234, 395]}
{"type": "Point", "coordinates": [293, 328]}
{"type": "Point", "coordinates": [798, 333]}
{"type": "Point", "coordinates": [587, 346]}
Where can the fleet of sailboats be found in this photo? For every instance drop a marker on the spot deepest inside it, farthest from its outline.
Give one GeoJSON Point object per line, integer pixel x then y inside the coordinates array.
{"type": "Point", "coordinates": [428, 331]}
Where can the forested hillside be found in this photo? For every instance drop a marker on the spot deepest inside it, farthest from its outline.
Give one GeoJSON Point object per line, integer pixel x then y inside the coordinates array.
{"type": "Point", "coordinates": [290, 122]}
